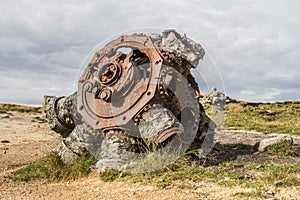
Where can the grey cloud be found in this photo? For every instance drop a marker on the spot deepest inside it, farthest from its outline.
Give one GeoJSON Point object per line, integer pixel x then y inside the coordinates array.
{"type": "Point", "coordinates": [254, 44]}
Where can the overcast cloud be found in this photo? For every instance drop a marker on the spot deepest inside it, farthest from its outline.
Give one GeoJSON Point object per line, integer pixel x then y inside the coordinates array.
{"type": "Point", "coordinates": [254, 43]}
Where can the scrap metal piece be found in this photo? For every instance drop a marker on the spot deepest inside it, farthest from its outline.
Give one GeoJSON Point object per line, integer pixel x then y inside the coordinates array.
{"type": "Point", "coordinates": [125, 83]}
{"type": "Point", "coordinates": [59, 113]}
{"type": "Point", "coordinates": [130, 100]}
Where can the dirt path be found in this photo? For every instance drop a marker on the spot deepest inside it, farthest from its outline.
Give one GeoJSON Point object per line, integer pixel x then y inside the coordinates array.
{"type": "Point", "coordinates": [24, 139]}
{"type": "Point", "coordinates": [27, 140]}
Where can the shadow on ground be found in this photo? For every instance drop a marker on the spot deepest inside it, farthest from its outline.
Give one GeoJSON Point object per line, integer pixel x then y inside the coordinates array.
{"type": "Point", "coordinates": [240, 153]}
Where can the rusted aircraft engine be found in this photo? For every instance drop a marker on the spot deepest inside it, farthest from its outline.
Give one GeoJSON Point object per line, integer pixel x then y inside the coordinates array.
{"type": "Point", "coordinates": [136, 93]}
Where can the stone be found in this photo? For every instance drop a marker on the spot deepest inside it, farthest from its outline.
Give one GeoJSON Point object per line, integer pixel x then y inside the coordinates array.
{"type": "Point", "coordinates": [215, 97]}
{"type": "Point", "coordinates": [265, 144]}
{"type": "Point", "coordinates": [66, 154]}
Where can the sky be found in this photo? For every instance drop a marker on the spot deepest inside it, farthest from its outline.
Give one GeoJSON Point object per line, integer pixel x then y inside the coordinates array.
{"type": "Point", "coordinates": [253, 46]}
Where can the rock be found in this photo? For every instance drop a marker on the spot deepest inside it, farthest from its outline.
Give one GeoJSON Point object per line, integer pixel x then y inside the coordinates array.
{"type": "Point", "coordinates": [189, 196]}
{"type": "Point", "coordinates": [66, 155]}
{"type": "Point", "coordinates": [264, 144]}
{"type": "Point", "coordinates": [215, 97]}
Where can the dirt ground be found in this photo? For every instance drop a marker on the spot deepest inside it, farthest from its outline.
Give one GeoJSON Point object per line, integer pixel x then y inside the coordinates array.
{"type": "Point", "coordinates": [24, 140]}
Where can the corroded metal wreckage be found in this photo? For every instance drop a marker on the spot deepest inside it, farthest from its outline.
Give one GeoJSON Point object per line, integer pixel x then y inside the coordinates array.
{"type": "Point", "coordinates": [136, 96]}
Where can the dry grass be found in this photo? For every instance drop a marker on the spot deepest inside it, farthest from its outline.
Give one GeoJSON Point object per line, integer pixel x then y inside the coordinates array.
{"type": "Point", "coordinates": [6, 108]}
{"type": "Point", "coordinates": [267, 117]}
{"type": "Point", "coordinates": [259, 177]}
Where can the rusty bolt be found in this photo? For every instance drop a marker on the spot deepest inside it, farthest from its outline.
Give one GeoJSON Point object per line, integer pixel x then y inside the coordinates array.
{"type": "Point", "coordinates": [105, 94]}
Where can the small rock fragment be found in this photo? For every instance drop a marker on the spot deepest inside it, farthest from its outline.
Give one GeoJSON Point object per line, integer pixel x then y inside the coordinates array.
{"type": "Point", "coordinates": [264, 144]}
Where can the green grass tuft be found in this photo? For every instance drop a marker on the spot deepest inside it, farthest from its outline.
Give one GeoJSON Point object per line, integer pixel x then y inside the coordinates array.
{"type": "Point", "coordinates": [278, 175]}
{"type": "Point", "coordinates": [252, 194]}
{"type": "Point", "coordinates": [110, 175]}
{"type": "Point", "coordinates": [39, 120]}
{"type": "Point", "coordinates": [2, 111]}
{"type": "Point", "coordinates": [282, 148]}
{"type": "Point", "coordinates": [52, 167]}
{"type": "Point", "coordinates": [5, 117]}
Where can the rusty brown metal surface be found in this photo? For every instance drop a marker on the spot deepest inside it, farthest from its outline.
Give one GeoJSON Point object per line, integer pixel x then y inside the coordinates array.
{"type": "Point", "coordinates": [118, 88]}
{"type": "Point", "coordinates": [110, 92]}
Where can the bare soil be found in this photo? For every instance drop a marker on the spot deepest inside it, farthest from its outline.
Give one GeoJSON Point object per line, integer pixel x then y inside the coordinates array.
{"type": "Point", "coordinates": [24, 140]}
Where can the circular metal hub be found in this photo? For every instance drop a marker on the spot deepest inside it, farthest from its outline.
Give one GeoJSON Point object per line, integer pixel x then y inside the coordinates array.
{"type": "Point", "coordinates": [110, 74]}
